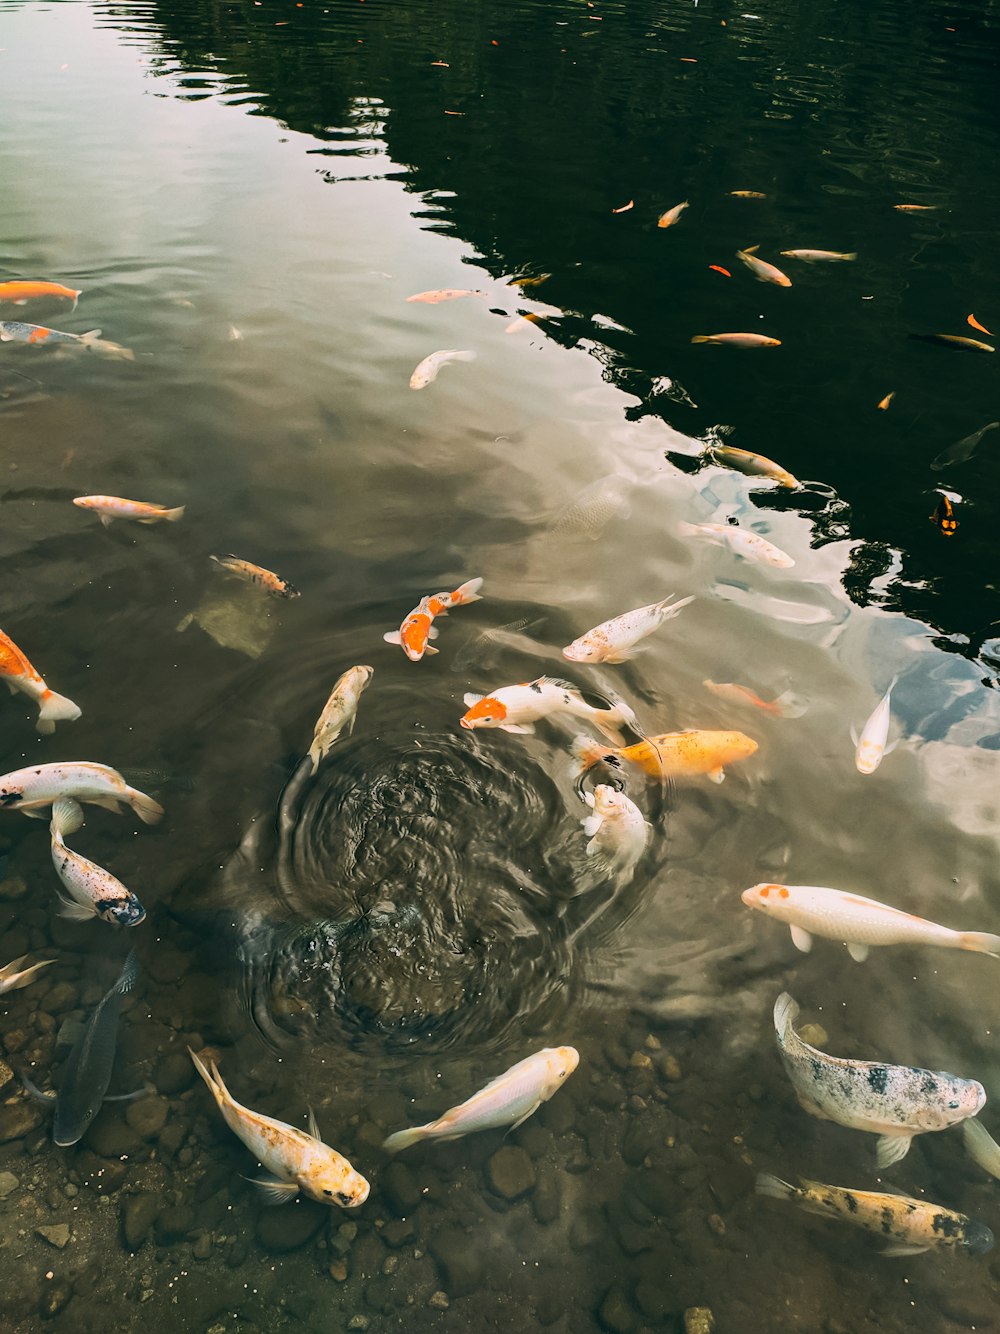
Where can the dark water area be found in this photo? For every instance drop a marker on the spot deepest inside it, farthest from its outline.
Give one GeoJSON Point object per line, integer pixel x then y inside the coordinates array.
{"type": "Point", "coordinates": [246, 194]}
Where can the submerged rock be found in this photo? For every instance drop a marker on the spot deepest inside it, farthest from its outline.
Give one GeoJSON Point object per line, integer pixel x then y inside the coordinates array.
{"type": "Point", "coordinates": [8, 1184]}
{"type": "Point", "coordinates": [461, 1265]}
{"type": "Point", "coordinates": [57, 1235]}
{"type": "Point", "coordinates": [615, 1311]}
{"type": "Point", "coordinates": [18, 1119]}
{"type": "Point", "coordinates": [699, 1320]}
{"type": "Point", "coordinates": [138, 1217]}
{"type": "Point", "coordinates": [510, 1172]}
{"type": "Point", "coordinates": [236, 616]}
{"type": "Point", "coordinates": [288, 1228]}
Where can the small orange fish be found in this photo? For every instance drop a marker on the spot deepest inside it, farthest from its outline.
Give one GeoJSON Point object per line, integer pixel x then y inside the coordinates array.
{"type": "Point", "coordinates": [625, 207]}
{"type": "Point", "coordinates": [738, 340]}
{"type": "Point", "coordinates": [785, 706]}
{"type": "Point", "coordinates": [418, 628]}
{"type": "Point", "coordinates": [444, 294]}
{"type": "Point", "coordinates": [673, 755]}
{"type": "Point", "coordinates": [914, 208]}
{"type": "Point", "coordinates": [717, 268]}
{"type": "Point", "coordinates": [116, 507]}
{"type": "Point", "coordinates": [18, 674]}
{"type": "Point", "coordinates": [884, 404]}
{"type": "Point", "coordinates": [672, 215]}
{"type": "Point", "coordinates": [19, 292]}
{"type": "Point", "coordinates": [944, 516]}
{"type": "Point", "coordinates": [971, 319]}
{"type": "Point", "coordinates": [747, 194]}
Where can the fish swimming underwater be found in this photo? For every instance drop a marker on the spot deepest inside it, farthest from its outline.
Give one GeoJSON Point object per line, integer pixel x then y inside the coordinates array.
{"type": "Point", "coordinates": [744, 543]}
{"type": "Point", "coordinates": [786, 705]}
{"type": "Point", "coordinates": [20, 291]}
{"type": "Point", "coordinates": [94, 892]}
{"type": "Point", "coordinates": [427, 370]}
{"type": "Point", "coordinates": [673, 755]}
{"type": "Point", "coordinates": [613, 640]}
{"type": "Point", "coordinates": [43, 784]}
{"type": "Point", "coordinates": [296, 1161]}
{"type": "Point", "coordinates": [339, 711]}
{"type": "Point", "coordinates": [859, 923]}
{"type": "Point", "coordinates": [14, 331]}
{"type": "Point", "coordinates": [962, 449]}
{"type": "Point", "coordinates": [672, 215]}
{"type": "Point", "coordinates": [870, 747]}
{"type": "Point", "coordinates": [618, 831]}
{"type": "Point", "coordinates": [752, 465]}
{"type": "Point", "coordinates": [820, 256]}
{"type": "Point", "coordinates": [418, 627]}
{"type": "Point", "coordinates": [909, 1225]}
{"type": "Point", "coordinates": [444, 294]}
{"type": "Point", "coordinates": [19, 675]}
{"type": "Point", "coordinates": [254, 574]}
{"type": "Point", "coordinates": [13, 978]}
{"type": "Point", "coordinates": [110, 508]}
{"type": "Point", "coordinates": [894, 1102]}
{"type": "Point", "coordinates": [505, 1101]}
{"type": "Point", "coordinates": [517, 708]}
{"type": "Point", "coordinates": [958, 342]}
{"type": "Point", "coordinates": [737, 340]}
{"type": "Point", "coordinates": [86, 1074]}
{"type": "Point", "coordinates": [761, 270]}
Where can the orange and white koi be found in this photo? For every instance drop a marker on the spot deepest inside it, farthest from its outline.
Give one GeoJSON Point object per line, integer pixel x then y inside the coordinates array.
{"type": "Point", "coordinates": [418, 627]}
{"type": "Point", "coordinates": [787, 705]}
{"type": "Point", "coordinates": [16, 331]}
{"type": "Point", "coordinates": [859, 923]}
{"type": "Point", "coordinates": [444, 294]}
{"type": "Point", "coordinates": [738, 340]}
{"type": "Point", "coordinates": [427, 370]}
{"type": "Point", "coordinates": [871, 745]}
{"type": "Point", "coordinates": [339, 711]}
{"type": "Point", "coordinates": [20, 291]}
{"type": "Point", "coordinates": [612, 641]}
{"type": "Point", "coordinates": [41, 785]}
{"type": "Point", "coordinates": [820, 256]}
{"type": "Point", "coordinates": [297, 1160]}
{"type": "Point", "coordinates": [672, 755]}
{"type": "Point", "coordinates": [517, 708]}
{"type": "Point", "coordinates": [672, 215]}
{"type": "Point", "coordinates": [256, 574]}
{"type": "Point", "coordinates": [761, 270]}
{"type": "Point", "coordinates": [19, 675]}
{"type": "Point", "coordinates": [11, 979]}
{"type": "Point", "coordinates": [110, 508]}
{"type": "Point", "coordinates": [749, 545]}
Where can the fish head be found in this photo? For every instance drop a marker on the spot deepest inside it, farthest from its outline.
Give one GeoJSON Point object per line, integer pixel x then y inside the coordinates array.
{"type": "Point", "coordinates": [977, 1239]}
{"type": "Point", "coordinates": [488, 712]}
{"type": "Point", "coordinates": [123, 912]}
{"type": "Point", "coordinates": [768, 898]}
{"type": "Point", "coordinates": [590, 647]}
{"type": "Point", "coordinates": [332, 1180]}
{"type": "Point", "coordinates": [360, 677]}
{"type": "Point", "coordinates": [737, 746]}
{"type": "Point", "coordinates": [562, 1061]}
{"type": "Point", "coordinates": [414, 632]}
{"type": "Point", "coordinates": [608, 801]}
{"type": "Point", "coordinates": [71, 1122]}
{"type": "Point", "coordinates": [963, 1098]}
{"type": "Point", "coordinates": [868, 756]}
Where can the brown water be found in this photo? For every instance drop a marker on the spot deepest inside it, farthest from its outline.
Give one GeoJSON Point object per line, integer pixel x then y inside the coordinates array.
{"type": "Point", "coordinates": [246, 195]}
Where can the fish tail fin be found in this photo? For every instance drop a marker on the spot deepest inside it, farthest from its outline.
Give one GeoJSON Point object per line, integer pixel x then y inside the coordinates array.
{"type": "Point", "coordinates": [28, 976]}
{"type": "Point", "coordinates": [56, 709]}
{"type": "Point", "coordinates": [313, 757]}
{"type": "Point", "coordinates": [789, 705]}
{"type": "Point", "coordinates": [9, 969]}
{"type": "Point", "coordinates": [773, 1187]}
{"type": "Point", "coordinates": [209, 1072]}
{"type": "Point", "coordinates": [129, 975]}
{"type": "Point", "coordinates": [981, 942]}
{"type": "Point", "coordinates": [148, 810]}
{"type": "Point", "coordinates": [701, 338]}
{"type": "Point", "coordinates": [617, 716]}
{"type": "Point", "coordinates": [172, 516]}
{"type": "Point", "coordinates": [76, 298]}
{"type": "Point", "coordinates": [785, 1012]}
{"type": "Point", "coordinates": [892, 683]}
{"type": "Point", "coordinates": [464, 356]}
{"type": "Point", "coordinates": [853, 255]}
{"type": "Point", "coordinates": [467, 592]}
{"type": "Point", "coordinates": [684, 528]}
{"type": "Point", "coordinates": [586, 752]}
{"type": "Point", "coordinates": [669, 607]}
{"type": "Point", "coordinates": [67, 817]}
{"type": "Point", "coordinates": [402, 1139]}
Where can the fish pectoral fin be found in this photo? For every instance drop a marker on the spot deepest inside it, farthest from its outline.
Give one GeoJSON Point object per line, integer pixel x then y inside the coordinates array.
{"type": "Point", "coordinates": [522, 729]}
{"type": "Point", "coordinates": [591, 825]}
{"type": "Point", "coordinates": [273, 1190]}
{"type": "Point", "coordinates": [106, 520]}
{"type": "Point", "coordinates": [392, 637]}
{"type": "Point", "coordinates": [12, 689]}
{"type": "Point", "coordinates": [890, 748]}
{"type": "Point", "coordinates": [76, 912]}
{"type": "Point", "coordinates": [891, 1148]}
{"type": "Point", "coordinates": [430, 649]}
{"type": "Point", "coordinates": [433, 632]}
{"type": "Point", "coordinates": [144, 1092]}
{"type": "Point", "coordinates": [314, 1125]}
{"type": "Point", "coordinates": [857, 951]}
{"type": "Point", "coordinates": [33, 815]}
{"type": "Point", "coordinates": [801, 939]}
{"type": "Point", "coordinates": [903, 1250]}
{"type": "Point", "coordinates": [36, 1093]}
{"type": "Point", "coordinates": [854, 735]}
{"type": "Point", "coordinates": [717, 775]}
{"type": "Point", "coordinates": [521, 1119]}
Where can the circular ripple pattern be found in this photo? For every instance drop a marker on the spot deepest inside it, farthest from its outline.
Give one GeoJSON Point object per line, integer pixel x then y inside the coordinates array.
{"type": "Point", "coordinates": [416, 890]}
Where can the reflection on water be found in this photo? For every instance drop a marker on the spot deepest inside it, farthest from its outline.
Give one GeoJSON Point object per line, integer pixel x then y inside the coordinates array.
{"type": "Point", "coordinates": [246, 196]}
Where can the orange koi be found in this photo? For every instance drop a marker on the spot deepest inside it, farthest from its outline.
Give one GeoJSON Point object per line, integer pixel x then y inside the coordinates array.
{"type": "Point", "coordinates": [883, 406]}
{"type": "Point", "coordinates": [18, 674]}
{"type": "Point", "coordinates": [625, 207]}
{"type": "Point", "coordinates": [971, 319]}
{"type": "Point", "coordinates": [785, 706]}
{"type": "Point", "coordinates": [944, 516]}
{"type": "Point", "coordinates": [19, 292]}
{"type": "Point", "coordinates": [418, 628]}
{"type": "Point", "coordinates": [673, 755]}
{"type": "Point", "coordinates": [672, 215]}
{"type": "Point", "coordinates": [717, 268]}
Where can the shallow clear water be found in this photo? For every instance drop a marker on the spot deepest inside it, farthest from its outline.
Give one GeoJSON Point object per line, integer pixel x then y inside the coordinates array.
{"type": "Point", "coordinates": [246, 194]}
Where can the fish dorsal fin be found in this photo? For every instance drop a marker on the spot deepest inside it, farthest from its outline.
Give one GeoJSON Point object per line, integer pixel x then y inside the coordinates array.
{"type": "Point", "coordinates": [556, 681]}
{"type": "Point", "coordinates": [314, 1125]}
{"type": "Point", "coordinates": [750, 250]}
{"type": "Point", "coordinates": [470, 699]}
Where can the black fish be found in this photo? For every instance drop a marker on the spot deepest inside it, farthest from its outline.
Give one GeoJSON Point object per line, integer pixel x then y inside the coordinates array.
{"type": "Point", "coordinates": [944, 516]}
{"type": "Point", "coordinates": [962, 449]}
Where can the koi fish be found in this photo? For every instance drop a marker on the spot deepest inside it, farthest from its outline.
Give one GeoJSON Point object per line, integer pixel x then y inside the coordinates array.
{"type": "Point", "coordinates": [981, 1146]}
{"type": "Point", "coordinates": [625, 207]}
{"type": "Point", "coordinates": [13, 978]}
{"type": "Point", "coordinates": [19, 675]}
{"type": "Point", "coordinates": [820, 256]}
{"type": "Point", "coordinates": [418, 627]}
{"type": "Point", "coordinates": [787, 705]}
{"type": "Point", "coordinates": [747, 194]}
{"type": "Point", "coordinates": [871, 745]}
{"type": "Point", "coordinates": [749, 545]}
{"type": "Point", "coordinates": [672, 215]}
{"type": "Point", "coordinates": [445, 294]}
{"type": "Point", "coordinates": [971, 319]}
{"type": "Point", "coordinates": [860, 923]}
{"type": "Point", "coordinates": [517, 708]}
{"type": "Point", "coordinates": [428, 369]}
{"type": "Point", "coordinates": [14, 331]}
{"type": "Point", "coordinates": [617, 829]}
{"type": "Point", "coordinates": [505, 1101]}
{"type": "Point", "coordinates": [255, 574]}
{"type": "Point", "coordinates": [752, 465]}
{"type": "Point", "coordinates": [883, 404]}
{"type": "Point", "coordinates": [43, 784]}
{"type": "Point", "coordinates": [295, 1161]}
{"type": "Point", "coordinates": [673, 755]}
{"type": "Point", "coordinates": [944, 515]}
{"type": "Point", "coordinates": [914, 208]}
{"type": "Point", "coordinates": [19, 292]}
{"type": "Point", "coordinates": [110, 508]}
{"type": "Point", "coordinates": [738, 340]}
{"type": "Point", "coordinates": [956, 341]}
{"type": "Point", "coordinates": [717, 268]}
{"type": "Point", "coordinates": [94, 892]}
{"type": "Point", "coordinates": [613, 640]}
{"type": "Point", "coordinates": [761, 270]}
{"type": "Point", "coordinates": [910, 1225]}
{"type": "Point", "coordinates": [593, 508]}
{"type": "Point", "coordinates": [894, 1102]}
{"type": "Point", "coordinates": [339, 711]}
{"type": "Point", "coordinates": [962, 449]}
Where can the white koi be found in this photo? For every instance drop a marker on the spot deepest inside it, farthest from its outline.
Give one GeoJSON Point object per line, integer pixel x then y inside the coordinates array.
{"type": "Point", "coordinates": [871, 745]}
{"type": "Point", "coordinates": [43, 784]}
{"type": "Point", "coordinates": [427, 370]}
{"type": "Point", "coordinates": [339, 711]}
{"type": "Point", "coordinates": [749, 545]}
{"type": "Point", "coordinates": [613, 640]}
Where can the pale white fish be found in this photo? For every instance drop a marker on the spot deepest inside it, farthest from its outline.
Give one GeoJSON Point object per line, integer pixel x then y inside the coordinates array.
{"type": "Point", "coordinates": [820, 256]}
{"type": "Point", "coordinates": [745, 543]}
{"type": "Point", "coordinates": [894, 1102]}
{"type": "Point", "coordinates": [428, 369]}
{"type": "Point", "coordinates": [94, 892]}
{"type": "Point", "coordinates": [871, 747]}
{"type": "Point", "coordinates": [617, 828]}
{"type": "Point", "coordinates": [297, 1160]}
{"type": "Point", "coordinates": [339, 711]}
{"type": "Point", "coordinates": [860, 923]}
{"type": "Point", "coordinates": [13, 980]}
{"type": "Point", "coordinates": [41, 785]}
{"type": "Point", "coordinates": [505, 1101]}
{"type": "Point", "coordinates": [613, 640]}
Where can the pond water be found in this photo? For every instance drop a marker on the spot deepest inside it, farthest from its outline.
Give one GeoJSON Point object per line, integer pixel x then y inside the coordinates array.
{"type": "Point", "coordinates": [246, 194]}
